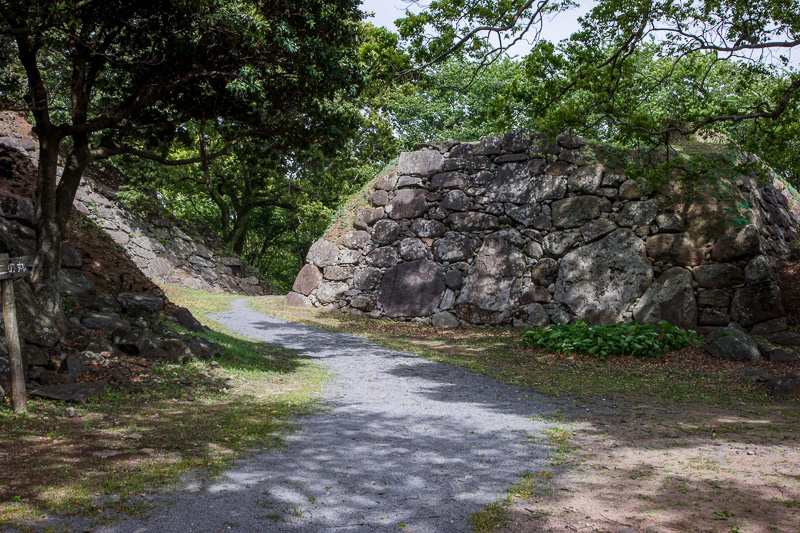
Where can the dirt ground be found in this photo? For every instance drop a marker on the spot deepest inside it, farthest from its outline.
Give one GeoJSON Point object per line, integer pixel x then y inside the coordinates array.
{"type": "Point", "coordinates": [669, 469]}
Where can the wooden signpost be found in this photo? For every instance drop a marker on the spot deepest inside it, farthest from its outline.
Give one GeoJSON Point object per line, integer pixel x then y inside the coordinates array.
{"type": "Point", "coordinates": [11, 269]}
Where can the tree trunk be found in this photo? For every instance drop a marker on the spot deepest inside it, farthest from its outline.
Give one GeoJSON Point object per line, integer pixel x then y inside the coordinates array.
{"type": "Point", "coordinates": [54, 199]}
{"type": "Point", "coordinates": [212, 186]}
{"type": "Point", "coordinates": [49, 234]}
{"type": "Point", "coordinates": [240, 228]}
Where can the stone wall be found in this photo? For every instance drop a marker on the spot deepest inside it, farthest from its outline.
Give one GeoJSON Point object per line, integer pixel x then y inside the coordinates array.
{"type": "Point", "coordinates": [519, 230]}
{"type": "Point", "coordinates": [161, 250]}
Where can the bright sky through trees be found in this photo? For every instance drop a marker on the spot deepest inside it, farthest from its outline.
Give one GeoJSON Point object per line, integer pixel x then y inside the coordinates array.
{"type": "Point", "coordinates": [559, 27]}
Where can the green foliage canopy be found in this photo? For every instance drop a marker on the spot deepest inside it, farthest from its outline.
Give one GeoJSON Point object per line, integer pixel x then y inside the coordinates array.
{"type": "Point", "coordinates": [105, 78]}
{"type": "Point", "coordinates": [644, 68]}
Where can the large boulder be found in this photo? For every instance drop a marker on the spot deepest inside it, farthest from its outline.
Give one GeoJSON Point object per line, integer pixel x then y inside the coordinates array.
{"type": "Point", "coordinates": [367, 278]}
{"type": "Point", "coordinates": [421, 163]}
{"type": "Point", "coordinates": [18, 239]}
{"type": "Point", "coordinates": [186, 319]}
{"type": "Point", "coordinates": [412, 289]}
{"type": "Point", "coordinates": [670, 298]}
{"type": "Point", "coordinates": [786, 385]}
{"type": "Point", "coordinates": [596, 229]}
{"type": "Point", "coordinates": [549, 188]}
{"type": "Point", "coordinates": [73, 282]}
{"type": "Point", "coordinates": [717, 276]}
{"type": "Point", "coordinates": [338, 273]}
{"type": "Point", "coordinates": [732, 343]}
{"type": "Point", "coordinates": [576, 211]}
{"type": "Point", "coordinates": [295, 299]}
{"type": "Point", "coordinates": [136, 341]}
{"type": "Point", "coordinates": [638, 213]}
{"type": "Point", "coordinates": [411, 249]}
{"type": "Point", "coordinates": [681, 249]}
{"type": "Point", "coordinates": [72, 392]}
{"type": "Point", "coordinates": [385, 232]}
{"type": "Point", "coordinates": [428, 229]}
{"type": "Point", "coordinates": [367, 217]}
{"type": "Point", "coordinates": [104, 321]}
{"type": "Point", "coordinates": [204, 348]}
{"type": "Point", "coordinates": [738, 244]}
{"type": "Point", "coordinates": [408, 203]}
{"type": "Point", "coordinates": [323, 253]}
{"type": "Point", "coordinates": [512, 184]}
{"type": "Point", "coordinates": [35, 327]}
{"type": "Point", "coordinates": [456, 201]}
{"type": "Point", "coordinates": [444, 320]}
{"type": "Point", "coordinates": [453, 248]}
{"type": "Point", "coordinates": [759, 269]}
{"type": "Point", "coordinates": [449, 180]}
{"type": "Point", "coordinates": [355, 240]}
{"type": "Point", "coordinates": [757, 302]}
{"type": "Point", "coordinates": [472, 221]}
{"type": "Point", "coordinates": [383, 257]}
{"type": "Point", "coordinates": [534, 315]}
{"type": "Point", "coordinates": [601, 280]}
{"type": "Point", "coordinates": [545, 272]}
{"type": "Point", "coordinates": [330, 292]}
{"type": "Point", "coordinates": [558, 244]}
{"type": "Point", "coordinates": [586, 180]}
{"type": "Point", "coordinates": [308, 279]}
{"type": "Point", "coordinates": [141, 305]}
{"type": "Point", "coordinates": [16, 208]}
{"type": "Point", "coordinates": [491, 277]}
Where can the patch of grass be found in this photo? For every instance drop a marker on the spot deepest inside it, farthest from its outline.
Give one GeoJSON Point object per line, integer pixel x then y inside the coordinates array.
{"type": "Point", "coordinates": [175, 419]}
{"type": "Point", "coordinates": [530, 484]}
{"type": "Point", "coordinates": [342, 220]}
{"type": "Point", "coordinates": [490, 518]}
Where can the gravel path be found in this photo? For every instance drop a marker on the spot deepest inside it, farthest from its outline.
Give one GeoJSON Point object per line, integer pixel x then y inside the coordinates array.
{"type": "Point", "coordinates": [406, 444]}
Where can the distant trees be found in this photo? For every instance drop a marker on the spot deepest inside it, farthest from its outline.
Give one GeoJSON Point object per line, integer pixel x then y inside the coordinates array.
{"type": "Point", "coordinates": [112, 77]}
{"type": "Point", "coordinates": [453, 100]}
{"type": "Point", "coordinates": [639, 71]}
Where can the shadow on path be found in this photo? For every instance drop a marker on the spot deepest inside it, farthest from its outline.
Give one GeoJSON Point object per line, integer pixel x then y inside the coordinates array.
{"type": "Point", "coordinates": [405, 444]}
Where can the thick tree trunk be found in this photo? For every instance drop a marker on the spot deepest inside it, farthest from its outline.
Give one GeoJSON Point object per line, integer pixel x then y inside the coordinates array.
{"type": "Point", "coordinates": [54, 199]}
{"type": "Point", "coordinates": [240, 228]}
{"type": "Point", "coordinates": [49, 234]}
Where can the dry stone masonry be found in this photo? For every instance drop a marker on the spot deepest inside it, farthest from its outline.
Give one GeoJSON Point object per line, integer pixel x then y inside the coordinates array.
{"type": "Point", "coordinates": [519, 230]}
{"type": "Point", "coordinates": [160, 249]}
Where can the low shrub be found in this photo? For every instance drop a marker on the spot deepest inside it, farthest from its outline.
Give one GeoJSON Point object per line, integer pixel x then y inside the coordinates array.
{"type": "Point", "coordinates": [602, 340]}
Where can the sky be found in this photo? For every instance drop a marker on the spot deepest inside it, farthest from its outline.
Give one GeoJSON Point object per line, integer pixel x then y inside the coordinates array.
{"type": "Point", "coordinates": [559, 27]}
{"type": "Point", "coordinates": [556, 28]}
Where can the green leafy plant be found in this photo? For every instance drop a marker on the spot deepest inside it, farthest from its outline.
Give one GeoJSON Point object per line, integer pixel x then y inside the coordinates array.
{"type": "Point", "coordinates": [602, 340]}
{"type": "Point", "coordinates": [722, 515]}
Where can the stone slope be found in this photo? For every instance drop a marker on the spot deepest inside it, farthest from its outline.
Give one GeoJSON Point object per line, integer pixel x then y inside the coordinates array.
{"type": "Point", "coordinates": [163, 252]}
{"type": "Point", "coordinates": [517, 229]}
{"type": "Point", "coordinates": [158, 246]}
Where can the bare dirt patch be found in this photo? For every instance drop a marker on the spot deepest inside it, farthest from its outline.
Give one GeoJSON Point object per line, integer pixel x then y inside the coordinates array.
{"type": "Point", "coordinates": [676, 468]}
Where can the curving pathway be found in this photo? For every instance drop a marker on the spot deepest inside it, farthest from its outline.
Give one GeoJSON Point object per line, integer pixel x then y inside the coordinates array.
{"type": "Point", "coordinates": [406, 445]}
